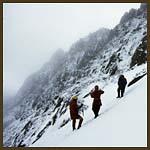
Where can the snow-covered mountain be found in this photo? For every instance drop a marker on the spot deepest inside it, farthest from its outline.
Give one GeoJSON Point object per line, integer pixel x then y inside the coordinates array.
{"type": "Point", "coordinates": [98, 58]}
{"type": "Point", "coordinates": [121, 123]}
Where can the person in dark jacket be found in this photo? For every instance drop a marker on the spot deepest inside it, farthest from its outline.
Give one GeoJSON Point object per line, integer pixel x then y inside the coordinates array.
{"type": "Point", "coordinates": [122, 82]}
{"type": "Point", "coordinates": [74, 113]}
{"type": "Point", "coordinates": [96, 94]}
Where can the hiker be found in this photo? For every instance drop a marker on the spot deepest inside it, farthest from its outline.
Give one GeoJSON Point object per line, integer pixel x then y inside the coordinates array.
{"type": "Point", "coordinates": [122, 82]}
{"type": "Point", "coordinates": [74, 112]}
{"type": "Point", "coordinates": [96, 94]}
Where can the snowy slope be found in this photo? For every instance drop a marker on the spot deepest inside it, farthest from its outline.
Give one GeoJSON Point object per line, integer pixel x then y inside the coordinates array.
{"type": "Point", "coordinates": [122, 122]}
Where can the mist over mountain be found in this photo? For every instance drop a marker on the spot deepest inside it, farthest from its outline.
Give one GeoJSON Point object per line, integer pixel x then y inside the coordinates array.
{"type": "Point", "coordinates": [99, 57]}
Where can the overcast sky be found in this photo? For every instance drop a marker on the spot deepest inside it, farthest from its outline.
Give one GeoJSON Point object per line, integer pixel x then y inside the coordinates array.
{"type": "Point", "coordinates": [32, 32]}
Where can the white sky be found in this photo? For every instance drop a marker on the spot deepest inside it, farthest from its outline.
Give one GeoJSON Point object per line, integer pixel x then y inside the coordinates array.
{"type": "Point", "coordinates": [32, 32]}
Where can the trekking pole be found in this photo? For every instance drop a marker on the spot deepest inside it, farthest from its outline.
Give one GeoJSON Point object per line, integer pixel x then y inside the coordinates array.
{"type": "Point", "coordinates": [86, 95]}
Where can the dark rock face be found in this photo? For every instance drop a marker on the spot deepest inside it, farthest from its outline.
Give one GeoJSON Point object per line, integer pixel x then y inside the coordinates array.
{"type": "Point", "coordinates": [112, 65]}
{"type": "Point", "coordinates": [140, 55]}
{"type": "Point", "coordinates": [136, 79]}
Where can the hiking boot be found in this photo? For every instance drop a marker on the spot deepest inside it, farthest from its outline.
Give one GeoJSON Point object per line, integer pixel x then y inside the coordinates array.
{"type": "Point", "coordinates": [74, 129]}
{"type": "Point", "coordinates": [96, 116]}
{"type": "Point", "coordinates": [118, 97]}
{"type": "Point", "coordinates": [79, 127]}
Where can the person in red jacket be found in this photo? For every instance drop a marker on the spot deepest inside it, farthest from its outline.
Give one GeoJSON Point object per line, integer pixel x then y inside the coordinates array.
{"type": "Point", "coordinates": [74, 113]}
{"type": "Point", "coordinates": [96, 94]}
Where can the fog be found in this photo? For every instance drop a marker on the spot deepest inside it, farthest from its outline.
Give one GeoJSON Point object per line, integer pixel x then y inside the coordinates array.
{"type": "Point", "coordinates": [33, 32]}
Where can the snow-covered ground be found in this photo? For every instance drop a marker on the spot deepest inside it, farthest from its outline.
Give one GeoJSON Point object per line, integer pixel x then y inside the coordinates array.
{"type": "Point", "coordinates": [121, 123]}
